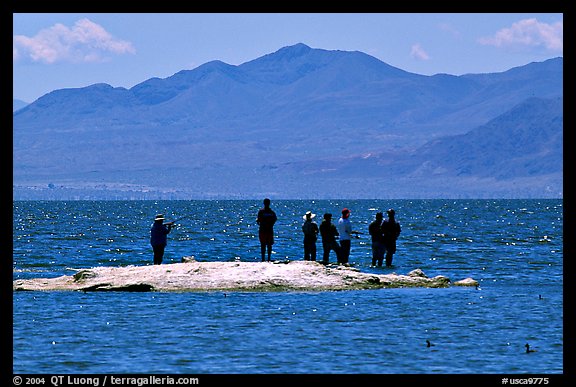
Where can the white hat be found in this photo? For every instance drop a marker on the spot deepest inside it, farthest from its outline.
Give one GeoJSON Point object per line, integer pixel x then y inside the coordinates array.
{"type": "Point", "coordinates": [312, 216]}
{"type": "Point", "coordinates": [159, 217]}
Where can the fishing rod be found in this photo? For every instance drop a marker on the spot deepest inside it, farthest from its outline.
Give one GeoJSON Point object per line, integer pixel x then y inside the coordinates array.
{"type": "Point", "coordinates": [172, 223]}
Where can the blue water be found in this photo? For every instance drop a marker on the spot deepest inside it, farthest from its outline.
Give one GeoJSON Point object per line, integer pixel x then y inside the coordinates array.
{"type": "Point", "coordinates": [514, 248]}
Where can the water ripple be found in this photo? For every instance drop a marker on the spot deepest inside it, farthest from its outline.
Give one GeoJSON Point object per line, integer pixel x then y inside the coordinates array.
{"type": "Point", "coordinates": [514, 248]}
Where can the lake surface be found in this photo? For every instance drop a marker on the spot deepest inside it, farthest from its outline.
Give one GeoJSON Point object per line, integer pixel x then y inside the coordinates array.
{"type": "Point", "coordinates": [514, 248]}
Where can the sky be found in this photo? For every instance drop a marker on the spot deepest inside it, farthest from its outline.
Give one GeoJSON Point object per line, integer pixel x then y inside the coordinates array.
{"type": "Point", "coordinates": [54, 51]}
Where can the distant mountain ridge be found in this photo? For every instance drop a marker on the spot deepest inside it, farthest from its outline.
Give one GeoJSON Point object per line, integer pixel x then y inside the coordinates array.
{"type": "Point", "coordinates": [523, 142]}
{"type": "Point", "coordinates": [18, 104]}
{"type": "Point", "coordinates": [228, 127]}
{"type": "Point", "coordinates": [528, 138]}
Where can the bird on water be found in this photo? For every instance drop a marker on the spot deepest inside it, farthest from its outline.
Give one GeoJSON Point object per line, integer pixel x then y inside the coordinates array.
{"type": "Point", "coordinates": [528, 350]}
{"type": "Point", "coordinates": [429, 344]}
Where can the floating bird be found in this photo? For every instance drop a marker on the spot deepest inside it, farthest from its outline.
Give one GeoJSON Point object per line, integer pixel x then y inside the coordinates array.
{"type": "Point", "coordinates": [528, 350]}
{"type": "Point", "coordinates": [540, 297]}
{"type": "Point", "coordinates": [429, 344]}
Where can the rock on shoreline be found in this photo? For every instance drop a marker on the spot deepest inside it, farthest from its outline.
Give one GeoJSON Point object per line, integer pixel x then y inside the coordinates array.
{"type": "Point", "coordinates": [231, 276]}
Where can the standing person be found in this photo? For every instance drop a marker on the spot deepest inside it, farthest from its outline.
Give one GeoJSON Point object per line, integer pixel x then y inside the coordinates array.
{"type": "Point", "coordinates": [159, 237]}
{"type": "Point", "coordinates": [375, 231]}
{"type": "Point", "coordinates": [310, 230]}
{"type": "Point", "coordinates": [266, 220]}
{"type": "Point", "coordinates": [345, 230]}
{"type": "Point", "coordinates": [329, 233]}
{"type": "Point", "coordinates": [391, 230]}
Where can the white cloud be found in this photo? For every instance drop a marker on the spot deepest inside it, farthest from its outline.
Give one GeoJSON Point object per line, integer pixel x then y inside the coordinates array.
{"type": "Point", "coordinates": [450, 29]}
{"type": "Point", "coordinates": [529, 33]}
{"type": "Point", "coordinates": [418, 53]}
{"type": "Point", "coordinates": [86, 41]}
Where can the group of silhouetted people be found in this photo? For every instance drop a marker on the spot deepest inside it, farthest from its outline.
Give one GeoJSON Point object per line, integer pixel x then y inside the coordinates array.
{"type": "Point", "coordinates": [384, 233]}
{"type": "Point", "coordinates": [335, 237]}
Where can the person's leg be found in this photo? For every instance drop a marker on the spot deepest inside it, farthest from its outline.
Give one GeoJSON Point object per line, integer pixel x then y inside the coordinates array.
{"type": "Point", "coordinates": [338, 250]}
{"type": "Point", "coordinates": [158, 254]}
{"type": "Point", "coordinates": [390, 250]}
{"type": "Point", "coordinates": [313, 251]}
{"type": "Point", "coordinates": [326, 252]}
{"type": "Point", "coordinates": [345, 247]}
{"type": "Point", "coordinates": [381, 252]}
{"type": "Point", "coordinates": [389, 258]}
{"type": "Point", "coordinates": [270, 243]}
{"type": "Point", "coordinates": [306, 250]}
{"type": "Point", "coordinates": [374, 253]}
{"type": "Point", "coordinates": [347, 258]}
{"type": "Point", "coordinates": [261, 238]}
{"type": "Point", "coordinates": [155, 250]}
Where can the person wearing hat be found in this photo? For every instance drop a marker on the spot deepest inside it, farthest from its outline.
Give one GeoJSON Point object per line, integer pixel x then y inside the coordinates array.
{"type": "Point", "coordinates": [329, 233]}
{"type": "Point", "coordinates": [375, 231]}
{"type": "Point", "coordinates": [391, 230]}
{"type": "Point", "coordinates": [159, 237]}
{"type": "Point", "coordinates": [345, 230]}
{"type": "Point", "coordinates": [310, 230]}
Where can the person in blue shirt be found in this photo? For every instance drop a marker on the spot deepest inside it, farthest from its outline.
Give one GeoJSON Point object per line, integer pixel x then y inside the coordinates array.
{"type": "Point", "coordinates": [159, 237]}
{"type": "Point", "coordinates": [345, 231]}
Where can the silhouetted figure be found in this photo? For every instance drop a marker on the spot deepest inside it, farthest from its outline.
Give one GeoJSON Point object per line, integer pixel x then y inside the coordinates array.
{"type": "Point", "coordinates": [329, 233]}
{"type": "Point", "coordinates": [391, 230]}
{"type": "Point", "coordinates": [310, 230]}
{"type": "Point", "coordinates": [375, 231]}
{"type": "Point", "coordinates": [429, 344]}
{"type": "Point", "coordinates": [159, 237]}
{"type": "Point", "coordinates": [266, 220]}
{"type": "Point", "coordinates": [528, 350]}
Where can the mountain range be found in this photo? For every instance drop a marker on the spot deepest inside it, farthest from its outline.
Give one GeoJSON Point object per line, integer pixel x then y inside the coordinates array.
{"type": "Point", "coordinates": [18, 104]}
{"type": "Point", "coordinates": [298, 123]}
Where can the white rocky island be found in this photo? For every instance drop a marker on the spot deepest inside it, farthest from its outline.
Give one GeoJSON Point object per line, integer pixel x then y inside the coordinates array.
{"type": "Point", "coordinates": [233, 276]}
